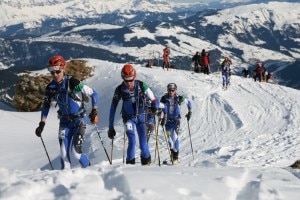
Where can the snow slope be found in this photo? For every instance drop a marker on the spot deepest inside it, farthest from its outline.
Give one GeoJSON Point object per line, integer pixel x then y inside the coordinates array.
{"type": "Point", "coordinates": [242, 140]}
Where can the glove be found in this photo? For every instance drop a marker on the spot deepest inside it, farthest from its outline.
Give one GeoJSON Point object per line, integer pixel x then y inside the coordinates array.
{"type": "Point", "coordinates": [188, 116]}
{"type": "Point", "coordinates": [163, 122]}
{"type": "Point", "coordinates": [168, 133]}
{"type": "Point", "coordinates": [39, 130]}
{"type": "Point", "coordinates": [93, 116]}
{"type": "Point", "coordinates": [111, 133]}
{"type": "Point", "coordinates": [153, 107]}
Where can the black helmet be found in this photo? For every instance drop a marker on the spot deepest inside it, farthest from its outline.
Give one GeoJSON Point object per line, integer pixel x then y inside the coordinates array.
{"type": "Point", "coordinates": [172, 86]}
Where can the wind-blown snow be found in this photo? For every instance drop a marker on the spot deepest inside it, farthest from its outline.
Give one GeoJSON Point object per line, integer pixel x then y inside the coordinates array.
{"type": "Point", "coordinates": [242, 138]}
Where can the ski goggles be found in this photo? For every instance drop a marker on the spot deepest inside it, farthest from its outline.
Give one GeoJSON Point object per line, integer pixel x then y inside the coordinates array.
{"type": "Point", "coordinates": [128, 81]}
{"type": "Point", "coordinates": [53, 68]}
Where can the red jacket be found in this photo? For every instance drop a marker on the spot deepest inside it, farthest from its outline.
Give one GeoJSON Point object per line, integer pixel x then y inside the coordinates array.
{"type": "Point", "coordinates": [205, 60]}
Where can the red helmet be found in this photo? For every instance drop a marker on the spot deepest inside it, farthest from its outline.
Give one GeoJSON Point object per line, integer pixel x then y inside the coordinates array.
{"type": "Point", "coordinates": [57, 63]}
{"type": "Point", "coordinates": [128, 72]}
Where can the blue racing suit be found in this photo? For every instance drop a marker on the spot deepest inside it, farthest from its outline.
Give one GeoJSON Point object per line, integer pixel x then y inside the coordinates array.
{"type": "Point", "coordinates": [134, 118]}
{"type": "Point", "coordinates": [226, 73]}
{"type": "Point", "coordinates": [72, 115]}
{"type": "Point", "coordinates": [172, 110]}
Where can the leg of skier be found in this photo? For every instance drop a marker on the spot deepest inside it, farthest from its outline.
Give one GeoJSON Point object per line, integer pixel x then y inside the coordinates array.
{"type": "Point", "coordinates": [130, 132]}
{"type": "Point", "coordinates": [224, 81]}
{"type": "Point", "coordinates": [78, 138]}
{"type": "Point", "coordinates": [64, 138]}
{"type": "Point", "coordinates": [145, 153]}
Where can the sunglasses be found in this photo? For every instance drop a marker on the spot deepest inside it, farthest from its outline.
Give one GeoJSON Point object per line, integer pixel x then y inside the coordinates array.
{"type": "Point", "coordinates": [55, 72]}
{"type": "Point", "coordinates": [171, 90]}
{"type": "Point", "coordinates": [128, 81]}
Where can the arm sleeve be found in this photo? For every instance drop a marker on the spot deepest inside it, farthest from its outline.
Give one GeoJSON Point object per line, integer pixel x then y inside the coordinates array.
{"type": "Point", "coordinates": [92, 94]}
{"type": "Point", "coordinates": [183, 100]}
{"type": "Point", "coordinates": [189, 105]}
{"type": "Point", "coordinates": [113, 106]}
{"type": "Point", "coordinates": [46, 104]}
{"type": "Point", "coordinates": [162, 104]}
{"type": "Point", "coordinates": [148, 92]}
{"type": "Point", "coordinates": [76, 87]}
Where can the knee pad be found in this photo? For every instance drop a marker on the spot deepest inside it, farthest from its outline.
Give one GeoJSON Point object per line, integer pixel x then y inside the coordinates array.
{"type": "Point", "coordinates": [78, 143]}
{"type": "Point", "coordinates": [61, 133]}
{"type": "Point", "coordinates": [129, 126]}
{"type": "Point", "coordinates": [79, 139]}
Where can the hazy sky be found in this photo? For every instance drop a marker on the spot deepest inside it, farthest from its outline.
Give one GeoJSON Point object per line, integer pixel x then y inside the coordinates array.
{"type": "Point", "coordinates": [190, 1]}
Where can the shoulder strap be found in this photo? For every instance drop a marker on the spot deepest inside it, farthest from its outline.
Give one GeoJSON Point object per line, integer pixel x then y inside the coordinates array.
{"type": "Point", "coordinates": [141, 83]}
{"type": "Point", "coordinates": [180, 99]}
{"type": "Point", "coordinates": [163, 99]}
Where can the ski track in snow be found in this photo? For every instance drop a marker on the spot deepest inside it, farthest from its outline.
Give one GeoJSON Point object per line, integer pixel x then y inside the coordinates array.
{"type": "Point", "coordinates": [212, 106]}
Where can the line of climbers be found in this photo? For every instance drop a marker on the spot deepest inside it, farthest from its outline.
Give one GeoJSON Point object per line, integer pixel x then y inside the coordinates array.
{"type": "Point", "coordinates": [139, 107]}
{"type": "Point", "coordinates": [259, 73]}
{"type": "Point", "coordinates": [201, 64]}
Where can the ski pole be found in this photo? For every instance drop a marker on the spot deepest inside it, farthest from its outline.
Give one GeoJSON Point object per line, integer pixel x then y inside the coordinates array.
{"type": "Point", "coordinates": [155, 144]}
{"type": "Point", "coordinates": [157, 147]}
{"type": "Point", "coordinates": [124, 145]}
{"type": "Point", "coordinates": [46, 153]}
{"type": "Point", "coordinates": [165, 134]}
{"type": "Point", "coordinates": [155, 127]}
{"type": "Point", "coordinates": [103, 144]}
{"type": "Point", "coordinates": [112, 150]}
{"type": "Point", "coordinates": [190, 138]}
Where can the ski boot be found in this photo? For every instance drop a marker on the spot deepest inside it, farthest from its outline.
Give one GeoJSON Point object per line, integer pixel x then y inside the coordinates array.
{"type": "Point", "coordinates": [145, 161]}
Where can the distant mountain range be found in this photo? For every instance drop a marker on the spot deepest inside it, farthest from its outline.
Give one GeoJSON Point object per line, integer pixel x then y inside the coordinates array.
{"type": "Point", "coordinates": [31, 31]}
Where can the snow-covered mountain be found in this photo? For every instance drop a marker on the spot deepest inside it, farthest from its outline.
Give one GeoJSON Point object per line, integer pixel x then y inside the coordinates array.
{"type": "Point", "coordinates": [14, 12]}
{"type": "Point", "coordinates": [135, 31]}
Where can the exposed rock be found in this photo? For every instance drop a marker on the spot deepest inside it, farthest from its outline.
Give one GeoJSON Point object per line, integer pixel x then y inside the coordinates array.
{"type": "Point", "coordinates": [296, 165]}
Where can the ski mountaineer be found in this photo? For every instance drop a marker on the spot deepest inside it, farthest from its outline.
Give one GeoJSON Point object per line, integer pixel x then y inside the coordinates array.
{"type": "Point", "coordinates": [197, 60]}
{"type": "Point", "coordinates": [205, 62]}
{"type": "Point", "coordinates": [172, 116]}
{"type": "Point", "coordinates": [69, 93]}
{"type": "Point", "coordinates": [226, 72]}
{"type": "Point", "coordinates": [260, 70]}
{"type": "Point", "coordinates": [133, 93]}
{"type": "Point", "coordinates": [166, 53]}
